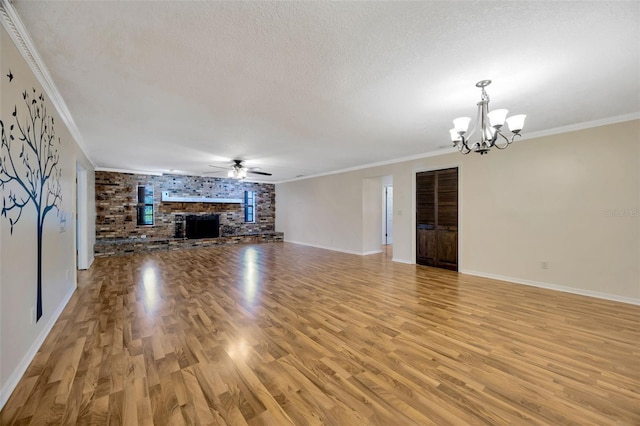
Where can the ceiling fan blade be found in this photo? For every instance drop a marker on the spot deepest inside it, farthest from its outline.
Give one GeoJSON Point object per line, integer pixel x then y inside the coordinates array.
{"type": "Point", "coordinates": [223, 168]}
{"type": "Point", "coordinates": [253, 172]}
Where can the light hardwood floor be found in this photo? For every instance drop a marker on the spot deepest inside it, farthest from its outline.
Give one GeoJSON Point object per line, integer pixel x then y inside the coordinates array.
{"type": "Point", "coordinates": [286, 334]}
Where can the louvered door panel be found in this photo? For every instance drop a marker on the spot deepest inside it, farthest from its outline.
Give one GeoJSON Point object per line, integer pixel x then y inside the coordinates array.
{"type": "Point", "coordinates": [437, 218]}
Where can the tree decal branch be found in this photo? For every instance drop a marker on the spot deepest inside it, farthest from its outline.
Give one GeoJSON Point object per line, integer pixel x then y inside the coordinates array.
{"type": "Point", "coordinates": [29, 169]}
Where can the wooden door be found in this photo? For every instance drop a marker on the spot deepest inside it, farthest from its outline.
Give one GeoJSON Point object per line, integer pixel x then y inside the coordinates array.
{"type": "Point", "coordinates": [426, 219]}
{"type": "Point", "coordinates": [447, 218]}
{"type": "Point", "coordinates": [437, 218]}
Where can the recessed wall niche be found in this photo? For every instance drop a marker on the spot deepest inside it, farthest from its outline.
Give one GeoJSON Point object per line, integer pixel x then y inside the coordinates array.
{"type": "Point", "coordinates": [117, 200]}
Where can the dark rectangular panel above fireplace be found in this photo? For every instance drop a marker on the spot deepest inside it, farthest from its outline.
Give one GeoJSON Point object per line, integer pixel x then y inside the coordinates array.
{"type": "Point", "coordinates": [202, 226]}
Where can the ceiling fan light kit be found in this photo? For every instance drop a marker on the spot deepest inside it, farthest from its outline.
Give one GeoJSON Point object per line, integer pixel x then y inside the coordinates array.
{"type": "Point", "coordinates": [489, 124]}
{"type": "Point", "coordinates": [239, 171]}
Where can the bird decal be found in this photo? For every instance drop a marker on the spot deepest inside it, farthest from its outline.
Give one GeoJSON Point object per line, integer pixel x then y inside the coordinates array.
{"type": "Point", "coordinates": [10, 75]}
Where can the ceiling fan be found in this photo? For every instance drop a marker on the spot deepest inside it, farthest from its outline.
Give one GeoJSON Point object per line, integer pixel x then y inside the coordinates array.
{"type": "Point", "coordinates": [238, 170]}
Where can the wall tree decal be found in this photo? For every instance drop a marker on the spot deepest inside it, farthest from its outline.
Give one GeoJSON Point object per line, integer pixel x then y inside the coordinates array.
{"type": "Point", "coordinates": [29, 169]}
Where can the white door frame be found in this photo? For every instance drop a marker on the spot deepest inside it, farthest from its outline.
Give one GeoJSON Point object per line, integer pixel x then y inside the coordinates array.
{"type": "Point", "coordinates": [82, 233]}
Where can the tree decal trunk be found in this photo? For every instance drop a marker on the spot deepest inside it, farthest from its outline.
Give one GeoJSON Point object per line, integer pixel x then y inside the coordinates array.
{"type": "Point", "coordinates": [29, 170]}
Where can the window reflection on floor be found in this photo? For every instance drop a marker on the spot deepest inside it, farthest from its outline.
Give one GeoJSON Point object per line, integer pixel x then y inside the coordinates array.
{"type": "Point", "coordinates": [150, 283]}
{"type": "Point", "coordinates": [250, 285]}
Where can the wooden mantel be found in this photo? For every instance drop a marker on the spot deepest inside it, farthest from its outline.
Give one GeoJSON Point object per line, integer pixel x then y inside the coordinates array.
{"type": "Point", "coordinates": [166, 197]}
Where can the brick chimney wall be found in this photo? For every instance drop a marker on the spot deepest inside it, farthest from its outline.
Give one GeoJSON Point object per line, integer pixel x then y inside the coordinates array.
{"type": "Point", "coordinates": [116, 200]}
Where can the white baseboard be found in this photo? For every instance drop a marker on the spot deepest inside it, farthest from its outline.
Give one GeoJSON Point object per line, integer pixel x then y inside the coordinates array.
{"type": "Point", "coordinates": [401, 260]}
{"type": "Point", "coordinates": [324, 247]}
{"type": "Point", "coordinates": [367, 253]}
{"type": "Point", "coordinates": [9, 386]}
{"type": "Point", "coordinates": [548, 286]}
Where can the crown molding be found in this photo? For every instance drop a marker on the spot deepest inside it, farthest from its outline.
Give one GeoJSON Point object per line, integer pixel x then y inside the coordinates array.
{"type": "Point", "coordinates": [18, 33]}
{"type": "Point", "coordinates": [443, 151]}
{"type": "Point", "coordinates": [437, 153]}
{"type": "Point", "coordinates": [582, 126]}
{"type": "Point", "coordinates": [128, 171]}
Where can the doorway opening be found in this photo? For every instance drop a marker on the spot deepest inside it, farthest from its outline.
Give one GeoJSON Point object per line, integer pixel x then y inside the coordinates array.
{"type": "Point", "coordinates": [387, 216]}
{"type": "Point", "coordinates": [387, 236]}
{"type": "Point", "coordinates": [377, 215]}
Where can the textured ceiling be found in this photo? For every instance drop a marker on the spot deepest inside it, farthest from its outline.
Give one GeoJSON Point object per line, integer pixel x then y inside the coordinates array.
{"type": "Point", "coordinates": [302, 88]}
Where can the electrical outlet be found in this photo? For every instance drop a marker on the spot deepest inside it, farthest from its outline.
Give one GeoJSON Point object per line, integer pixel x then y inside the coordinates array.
{"type": "Point", "coordinates": [66, 274]}
{"type": "Point", "coordinates": [544, 264]}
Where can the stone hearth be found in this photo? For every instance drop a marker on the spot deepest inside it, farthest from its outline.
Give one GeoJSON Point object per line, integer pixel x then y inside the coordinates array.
{"type": "Point", "coordinates": [123, 246]}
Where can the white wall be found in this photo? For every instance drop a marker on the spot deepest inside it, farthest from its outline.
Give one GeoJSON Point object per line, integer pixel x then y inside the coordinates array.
{"type": "Point", "coordinates": [572, 200]}
{"type": "Point", "coordinates": [323, 212]}
{"type": "Point", "coordinates": [20, 337]}
{"type": "Point", "coordinates": [552, 201]}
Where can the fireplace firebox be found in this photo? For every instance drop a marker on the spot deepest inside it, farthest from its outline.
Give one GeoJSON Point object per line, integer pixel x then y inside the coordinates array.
{"type": "Point", "coordinates": [202, 226]}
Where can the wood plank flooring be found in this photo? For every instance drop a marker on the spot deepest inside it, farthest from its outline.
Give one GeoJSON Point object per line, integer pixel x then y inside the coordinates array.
{"type": "Point", "coordinates": [281, 334]}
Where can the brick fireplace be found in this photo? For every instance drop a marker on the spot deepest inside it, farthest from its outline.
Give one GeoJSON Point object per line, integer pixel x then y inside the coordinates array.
{"type": "Point", "coordinates": [117, 199]}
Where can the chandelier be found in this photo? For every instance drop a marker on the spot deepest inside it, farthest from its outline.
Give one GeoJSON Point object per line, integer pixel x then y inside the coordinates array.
{"type": "Point", "coordinates": [489, 124]}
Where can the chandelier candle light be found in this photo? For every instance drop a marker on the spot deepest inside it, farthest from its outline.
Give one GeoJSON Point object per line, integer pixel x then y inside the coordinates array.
{"type": "Point", "coordinates": [490, 125]}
